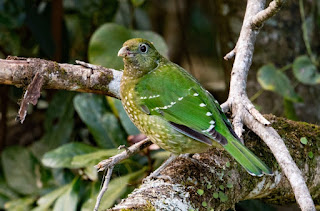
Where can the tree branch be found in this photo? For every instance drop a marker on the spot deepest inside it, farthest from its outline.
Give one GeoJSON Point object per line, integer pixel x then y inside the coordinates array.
{"type": "Point", "coordinates": [19, 72]}
{"type": "Point", "coordinates": [218, 182]}
{"type": "Point", "coordinates": [242, 109]}
{"type": "Point", "coordinates": [262, 16]}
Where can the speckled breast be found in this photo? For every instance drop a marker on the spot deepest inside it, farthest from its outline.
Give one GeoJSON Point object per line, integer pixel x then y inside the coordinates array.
{"type": "Point", "coordinates": [156, 128]}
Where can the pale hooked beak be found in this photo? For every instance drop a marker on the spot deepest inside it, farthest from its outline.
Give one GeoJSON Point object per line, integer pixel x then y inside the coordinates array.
{"type": "Point", "coordinates": [124, 51]}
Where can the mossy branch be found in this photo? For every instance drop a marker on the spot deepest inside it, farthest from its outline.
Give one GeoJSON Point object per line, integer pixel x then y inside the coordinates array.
{"type": "Point", "coordinates": [218, 182]}
{"type": "Point", "coordinates": [20, 72]}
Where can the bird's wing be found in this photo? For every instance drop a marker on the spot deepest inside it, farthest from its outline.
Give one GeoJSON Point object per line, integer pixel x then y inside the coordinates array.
{"type": "Point", "coordinates": [175, 95]}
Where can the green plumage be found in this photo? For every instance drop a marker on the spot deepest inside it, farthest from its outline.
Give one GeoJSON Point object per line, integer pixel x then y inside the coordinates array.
{"type": "Point", "coordinates": [168, 105]}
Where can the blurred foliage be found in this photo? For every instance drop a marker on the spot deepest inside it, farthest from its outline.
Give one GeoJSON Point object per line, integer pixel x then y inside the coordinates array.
{"type": "Point", "coordinates": [108, 39]}
{"type": "Point", "coordinates": [55, 171]}
{"type": "Point", "coordinates": [305, 70]}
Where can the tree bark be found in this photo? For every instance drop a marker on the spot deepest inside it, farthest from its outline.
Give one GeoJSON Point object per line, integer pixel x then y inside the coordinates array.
{"type": "Point", "coordinates": [216, 181]}
{"type": "Point", "coordinates": [20, 72]}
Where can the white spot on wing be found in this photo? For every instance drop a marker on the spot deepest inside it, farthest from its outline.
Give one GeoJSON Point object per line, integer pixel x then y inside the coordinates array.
{"type": "Point", "coordinates": [202, 105]}
{"type": "Point", "coordinates": [212, 122]}
{"type": "Point", "coordinates": [180, 98]}
{"type": "Point", "coordinates": [196, 94]}
{"type": "Point", "coordinates": [210, 128]}
{"type": "Point", "coordinates": [209, 114]}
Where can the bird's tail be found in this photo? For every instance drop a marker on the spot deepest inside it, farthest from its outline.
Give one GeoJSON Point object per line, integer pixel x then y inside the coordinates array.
{"type": "Point", "coordinates": [246, 158]}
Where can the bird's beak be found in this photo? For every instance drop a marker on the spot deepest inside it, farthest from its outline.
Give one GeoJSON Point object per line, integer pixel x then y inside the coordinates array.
{"type": "Point", "coordinates": [123, 52]}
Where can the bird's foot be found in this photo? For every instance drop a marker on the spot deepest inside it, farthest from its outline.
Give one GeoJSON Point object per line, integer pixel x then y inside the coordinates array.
{"type": "Point", "coordinates": [157, 173]}
{"type": "Point", "coordinates": [193, 158]}
{"type": "Point", "coordinates": [156, 177]}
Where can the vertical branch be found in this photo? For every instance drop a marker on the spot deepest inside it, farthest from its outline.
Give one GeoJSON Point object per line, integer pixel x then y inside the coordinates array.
{"type": "Point", "coordinates": [244, 111]}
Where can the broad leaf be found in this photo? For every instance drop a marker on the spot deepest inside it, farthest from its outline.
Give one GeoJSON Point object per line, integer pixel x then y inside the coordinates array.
{"type": "Point", "coordinates": [117, 187]}
{"type": "Point", "coordinates": [83, 160]}
{"type": "Point", "coordinates": [62, 156]}
{"type": "Point", "coordinates": [18, 170]}
{"type": "Point", "coordinates": [127, 124]}
{"type": "Point", "coordinates": [274, 80]}
{"type": "Point", "coordinates": [58, 124]}
{"type": "Point", "coordinates": [108, 39]}
{"type": "Point", "coordinates": [22, 204]}
{"type": "Point", "coordinates": [137, 3]}
{"type": "Point", "coordinates": [5, 190]}
{"type": "Point", "coordinates": [68, 201]}
{"type": "Point", "coordinates": [305, 71]}
{"type": "Point", "coordinates": [102, 124]}
{"type": "Point", "coordinates": [47, 200]}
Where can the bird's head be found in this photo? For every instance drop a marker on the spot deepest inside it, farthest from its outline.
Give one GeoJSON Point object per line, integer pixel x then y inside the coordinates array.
{"type": "Point", "coordinates": [139, 56]}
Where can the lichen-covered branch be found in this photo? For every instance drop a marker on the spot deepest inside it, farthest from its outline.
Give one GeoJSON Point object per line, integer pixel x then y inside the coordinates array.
{"type": "Point", "coordinates": [243, 110]}
{"type": "Point", "coordinates": [267, 13]}
{"type": "Point", "coordinates": [21, 71]}
{"type": "Point", "coordinates": [218, 182]}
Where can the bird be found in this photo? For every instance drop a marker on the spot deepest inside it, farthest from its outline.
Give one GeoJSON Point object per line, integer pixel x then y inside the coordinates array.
{"type": "Point", "coordinates": [170, 106]}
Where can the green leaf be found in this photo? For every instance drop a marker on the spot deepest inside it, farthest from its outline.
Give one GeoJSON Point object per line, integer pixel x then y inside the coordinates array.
{"type": "Point", "coordinates": [310, 154]}
{"type": "Point", "coordinates": [289, 109]}
{"type": "Point", "coordinates": [18, 170]}
{"type": "Point", "coordinates": [137, 3]}
{"type": "Point", "coordinates": [58, 124]}
{"type": "Point", "coordinates": [47, 200]}
{"type": "Point", "coordinates": [109, 38]}
{"type": "Point", "coordinates": [274, 80]}
{"type": "Point", "coordinates": [3, 200]}
{"type": "Point", "coordinates": [200, 192]}
{"type": "Point", "coordinates": [215, 195]}
{"type": "Point", "coordinates": [127, 124]}
{"type": "Point", "coordinates": [229, 185]}
{"type": "Point", "coordinates": [84, 160]}
{"type": "Point", "coordinates": [62, 157]}
{"type": "Point", "coordinates": [305, 71]}
{"type": "Point", "coordinates": [91, 172]}
{"type": "Point", "coordinates": [304, 140]}
{"type": "Point", "coordinates": [68, 201]}
{"type": "Point", "coordinates": [221, 187]}
{"type": "Point", "coordinates": [6, 191]}
{"type": "Point", "coordinates": [228, 164]}
{"type": "Point", "coordinates": [223, 197]}
{"type": "Point", "coordinates": [22, 204]}
{"type": "Point", "coordinates": [102, 124]}
{"type": "Point", "coordinates": [117, 187]}
{"type": "Point", "coordinates": [204, 204]}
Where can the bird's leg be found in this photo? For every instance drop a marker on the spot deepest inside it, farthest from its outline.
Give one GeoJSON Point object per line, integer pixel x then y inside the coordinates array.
{"type": "Point", "coordinates": [189, 156]}
{"type": "Point", "coordinates": [156, 173]}
{"type": "Point", "coordinates": [193, 158]}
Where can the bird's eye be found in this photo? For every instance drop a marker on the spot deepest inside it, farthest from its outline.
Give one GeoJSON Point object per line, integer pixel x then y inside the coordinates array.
{"type": "Point", "coordinates": [143, 48]}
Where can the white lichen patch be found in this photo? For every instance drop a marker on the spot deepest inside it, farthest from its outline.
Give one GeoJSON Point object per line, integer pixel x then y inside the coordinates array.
{"type": "Point", "coordinates": [115, 83]}
{"type": "Point", "coordinates": [169, 196]}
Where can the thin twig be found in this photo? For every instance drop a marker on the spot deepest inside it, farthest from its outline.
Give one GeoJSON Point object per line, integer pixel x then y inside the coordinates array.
{"type": "Point", "coordinates": [104, 188]}
{"type": "Point", "coordinates": [102, 165]}
{"type": "Point", "coordinates": [243, 109]}
{"type": "Point", "coordinates": [114, 160]}
{"type": "Point", "coordinates": [31, 95]}
{"type": "Point", "coordinates": [262, 16]}
{"type": "Point", "coordinates": [230, 55]}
